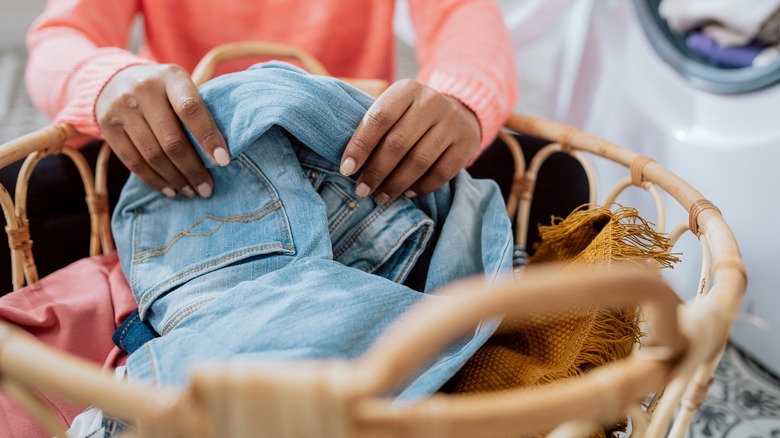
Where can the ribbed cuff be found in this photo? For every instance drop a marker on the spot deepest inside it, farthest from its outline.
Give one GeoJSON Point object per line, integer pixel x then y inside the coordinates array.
{"type": "Point", "coordinates": [88, 82]}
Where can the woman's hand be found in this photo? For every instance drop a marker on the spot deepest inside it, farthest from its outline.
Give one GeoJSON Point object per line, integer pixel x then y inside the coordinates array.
{"type": "Point", "coordinates": [411, 141]}
{"type": "Point", "coordinates": [140, 112]}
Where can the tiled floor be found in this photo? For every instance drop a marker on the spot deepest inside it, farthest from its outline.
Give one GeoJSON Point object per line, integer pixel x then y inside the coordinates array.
{"type": "Point", "coordinates": [744, 400]}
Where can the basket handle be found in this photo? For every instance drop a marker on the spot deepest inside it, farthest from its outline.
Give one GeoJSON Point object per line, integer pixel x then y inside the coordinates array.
{"type": "Point", "coordinates": [601, 396]}
{"type": "Point", "coordinates": [428, 328]}
{"type": "Point", "coordinates": [344, 397]}
{"type": "Point", "coordinates": [226, 52]}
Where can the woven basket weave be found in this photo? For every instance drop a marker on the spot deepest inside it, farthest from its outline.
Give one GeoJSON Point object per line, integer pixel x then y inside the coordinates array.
{"type": "Point", "coordinates": [344, 398]}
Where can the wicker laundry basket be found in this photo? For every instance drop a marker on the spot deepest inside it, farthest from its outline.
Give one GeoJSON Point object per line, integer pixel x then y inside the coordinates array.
{"type": "Point", "coordinates": [344, 398]}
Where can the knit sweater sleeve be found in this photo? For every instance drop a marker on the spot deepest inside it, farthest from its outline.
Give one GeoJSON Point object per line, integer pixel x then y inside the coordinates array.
{"type": "Point", "coordinates": [465, 51]}
{"type": "Point", "coordinates": [76, 47]}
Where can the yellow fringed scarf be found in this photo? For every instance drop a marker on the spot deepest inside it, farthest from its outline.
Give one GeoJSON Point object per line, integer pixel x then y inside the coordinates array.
{"type": "Point", "coordinates": [552, 346]}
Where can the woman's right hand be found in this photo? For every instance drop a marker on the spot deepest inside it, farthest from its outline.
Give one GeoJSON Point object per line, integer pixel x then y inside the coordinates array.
{"type": "Point", "coordinates": [140, 112]}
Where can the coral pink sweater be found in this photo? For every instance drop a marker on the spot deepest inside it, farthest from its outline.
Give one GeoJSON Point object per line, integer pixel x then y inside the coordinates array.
{"type": "Point", "coordinates": [463, 49]}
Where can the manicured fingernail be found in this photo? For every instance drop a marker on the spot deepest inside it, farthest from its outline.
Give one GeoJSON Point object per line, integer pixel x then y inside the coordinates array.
{"type": "Point", "coordinates": [347, 167]}
{"type": "Point", "coordinates": [222, 156]}
{"type": "Point", "coordinates": [410, 193]}
{"type": "Point", "coordinates": [362, 190]}
{"type": "Point", "coordinates": [382, 198]}
{"type": "Point", "coordinates": [204, 190]}
{"type": "Point", "coordinates": [187, 191]}
{"type": "Point", "coordinates": [169, 192]}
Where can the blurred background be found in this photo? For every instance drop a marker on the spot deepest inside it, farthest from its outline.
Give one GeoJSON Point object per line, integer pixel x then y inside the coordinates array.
{"type": "Point", "coordinates": [614, 68]}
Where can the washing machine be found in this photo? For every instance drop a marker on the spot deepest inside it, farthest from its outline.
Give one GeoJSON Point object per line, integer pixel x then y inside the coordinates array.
{"type": "Point", "coordinates": [624, 76]}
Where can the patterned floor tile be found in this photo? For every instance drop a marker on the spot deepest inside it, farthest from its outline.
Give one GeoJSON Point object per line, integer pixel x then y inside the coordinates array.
{"type": "Point", "coordinates": [743, 401]}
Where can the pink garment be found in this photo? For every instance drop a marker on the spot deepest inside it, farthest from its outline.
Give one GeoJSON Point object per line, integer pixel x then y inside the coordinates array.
{"type": "Point", "coordinates": [463, 48]}
{"type": "Point", "coordinates": [75, 309]}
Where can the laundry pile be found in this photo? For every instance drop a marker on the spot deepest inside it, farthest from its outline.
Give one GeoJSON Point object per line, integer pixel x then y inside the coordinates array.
{"type": "Point", "coordinates": [727, 33]}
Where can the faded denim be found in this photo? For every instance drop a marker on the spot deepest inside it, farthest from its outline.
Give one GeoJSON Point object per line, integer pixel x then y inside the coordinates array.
{"type": "Point", "coordinates": [284, 261]}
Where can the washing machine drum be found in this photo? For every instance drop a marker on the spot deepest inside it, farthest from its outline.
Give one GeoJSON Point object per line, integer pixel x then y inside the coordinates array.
{"type": "Point", "coordinates": [671, 47]}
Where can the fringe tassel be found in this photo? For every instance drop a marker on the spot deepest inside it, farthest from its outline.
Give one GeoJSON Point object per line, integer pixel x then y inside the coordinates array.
{"type": "Point", "coordinates": [554, 346]}
{"type": "Point", "coordinates": [628, 237]}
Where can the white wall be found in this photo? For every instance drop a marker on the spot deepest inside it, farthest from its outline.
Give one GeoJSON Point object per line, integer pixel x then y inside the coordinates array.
{"type": "Point", "coordinates": [15, 17]}
{"type": "Point", "coordinates": [537, 29]}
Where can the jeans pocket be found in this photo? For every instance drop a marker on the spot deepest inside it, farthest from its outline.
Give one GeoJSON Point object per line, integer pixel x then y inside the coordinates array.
{"type": "Point", "coordinates": [177, 239]}
{"type": "Point", "coordinates": [339, 205]}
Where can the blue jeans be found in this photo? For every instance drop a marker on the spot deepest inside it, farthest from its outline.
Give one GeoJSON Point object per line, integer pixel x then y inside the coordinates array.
{"type": "Point", "coordinates": [284, 261]}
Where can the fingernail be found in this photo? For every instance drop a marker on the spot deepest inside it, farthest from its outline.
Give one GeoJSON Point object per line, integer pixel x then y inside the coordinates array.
{"type": "Point", "coordinates": [169, 192]}
{"type": "Point", "coordinates": [362, 190]}
{"type": "Point", "coordinates": [347, 167]}
{"type": "Point", "coordinates": [204, 190]}
{"type": "Point", "coordinates": [410, 193]}
{"type": "Point", "coordinates": [187, 191]}
{"type": "Point", "coordinates": [382, 198]}
{"type": "Point", "coordinates": [222, 156]}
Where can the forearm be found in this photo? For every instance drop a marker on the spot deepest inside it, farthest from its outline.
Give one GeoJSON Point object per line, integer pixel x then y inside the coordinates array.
{"type": "Point", "coordinates": [71, 60]}
{"type": "Point", "coordinates": [464, 51]}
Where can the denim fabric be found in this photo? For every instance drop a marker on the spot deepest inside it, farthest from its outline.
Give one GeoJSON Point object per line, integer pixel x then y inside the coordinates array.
{"type": "Point", "coordinates": [381, 240]}
{"type": "Point", "coordinates": [284, 261]}
{"type": "Point", "coordinates": [133, 333]}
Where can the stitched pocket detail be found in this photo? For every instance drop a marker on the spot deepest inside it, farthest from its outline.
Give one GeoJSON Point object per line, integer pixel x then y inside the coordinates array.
{"type": "Point", "coordinates": [176, 240]}
{"type": "Point", "coordinates": [367, 222]}
{"type": "Point", "coordinates": [345, 206]}
{"type": "Point", "coordinates": [239, 218]}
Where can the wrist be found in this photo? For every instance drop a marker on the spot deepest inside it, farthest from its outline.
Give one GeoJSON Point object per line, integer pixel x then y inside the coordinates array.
{"type": "Point", "coordinates": [468, 113]}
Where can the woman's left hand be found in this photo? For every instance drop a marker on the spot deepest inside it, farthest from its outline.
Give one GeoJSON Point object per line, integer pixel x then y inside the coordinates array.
{"type": "Point", "coordinates": [411, 141]}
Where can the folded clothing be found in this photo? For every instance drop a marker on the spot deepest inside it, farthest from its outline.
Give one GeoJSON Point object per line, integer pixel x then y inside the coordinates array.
{"type": "Point", "coordinates": [75, 309]}
{"type": "Point", "coordinates": [729, 57]}
{"type": "Point", "coordinates": [284, 261]}
{"type": "Point", "coordinates": [549, 346]}
{"type": "Point", "coordinates": [729, 22]}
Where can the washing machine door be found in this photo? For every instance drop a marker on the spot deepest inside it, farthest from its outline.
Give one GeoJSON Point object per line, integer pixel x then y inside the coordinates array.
{"type": "Point", "coordinates": [672, 49]}
{"type": "Point", "coordinates": [702, 124]}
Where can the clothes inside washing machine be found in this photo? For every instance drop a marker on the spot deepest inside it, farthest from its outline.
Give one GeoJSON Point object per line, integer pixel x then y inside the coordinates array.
{"type": "Point", "coordinates": [691, 55]}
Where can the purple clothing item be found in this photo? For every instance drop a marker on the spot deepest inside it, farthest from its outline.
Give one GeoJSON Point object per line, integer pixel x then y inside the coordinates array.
{"type": "Point", "coordinates": [730, 57]}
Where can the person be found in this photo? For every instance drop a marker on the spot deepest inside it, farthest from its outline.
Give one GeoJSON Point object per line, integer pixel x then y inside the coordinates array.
{"type": "Point", "coordinates": [416, 136]}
